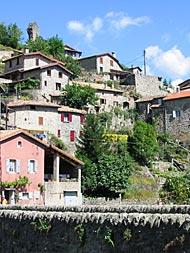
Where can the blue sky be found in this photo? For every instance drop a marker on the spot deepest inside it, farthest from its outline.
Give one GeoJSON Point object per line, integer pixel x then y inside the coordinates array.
{"type": "Point", "coordinates": [160, 27]}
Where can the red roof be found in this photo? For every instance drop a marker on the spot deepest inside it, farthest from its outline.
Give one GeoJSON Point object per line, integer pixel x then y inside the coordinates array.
{"type": "Point", "coordinates": [178, 95]}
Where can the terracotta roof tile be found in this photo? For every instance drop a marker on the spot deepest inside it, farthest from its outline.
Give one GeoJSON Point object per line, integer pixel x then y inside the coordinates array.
{"type": "Point", "coordinates": [31, 102]}
{"type": "Point", "coordinates": [178, 95]}
{"type": "Point", "coordinates": [69, 109]}
{"type": "Point", "coordinates": [98, 86]}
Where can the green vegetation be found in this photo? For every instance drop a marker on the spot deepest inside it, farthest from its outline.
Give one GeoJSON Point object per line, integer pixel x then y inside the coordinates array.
{"type": "Point", "coordinates": [18, 182]}
{"type": "Point", "coordinates": [79, 229]}
{"type": "Point", "coordinates": [109, 236]}
{"type": "Point", "coordinates": [41, 225]}
{"type": "Point", "coordinates": [79, 97]}
{"type": "Point", "coordinates": [127, 235]}
{"type": "Point", "coordinates": [10, 35]}
{"type": "Point", "coordinates": [56, 141]}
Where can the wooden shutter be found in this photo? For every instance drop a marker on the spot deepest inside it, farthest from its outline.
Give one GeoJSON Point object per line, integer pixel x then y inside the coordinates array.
{"type": "Point", "coordinates": [7, 165]}
{"type": "Point", "coordinates": [72, 136]}
{"type": "Point", "coordinates": [58, 132]}
{"type": "Point", "coordinates": [40, 120]}
{"type": "Point", "coordinates": [29, 166]}
{"type": "Point", "coordinates": [30, 195]}
{"type": "Point", "coordinates": [70, 117]}
{"type": "Point", "coordinates": [36, 166]}
{"type": "Point", "coordinates": [17, 166]}
{"type": "Point", "coordinates": [62, 117]}
{"type": "Point", "coordinates": [81, 118]}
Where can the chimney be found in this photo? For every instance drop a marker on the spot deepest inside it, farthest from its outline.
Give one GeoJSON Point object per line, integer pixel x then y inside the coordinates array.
{"type": "Point", "coordinates": [26, 50]}
{"type": "Point", "coordinates": [113, 54]}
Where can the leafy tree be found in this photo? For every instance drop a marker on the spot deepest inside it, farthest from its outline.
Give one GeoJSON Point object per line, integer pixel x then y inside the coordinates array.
{"type": "Point", "coordinates": [143, 143]}
{"type": "Point", "coordinates": [92, 144]}
{"type": "Point", "coordinates": [55, 46]}
{"type": "Point", "coordinates": [38, 45]}
{"type": "Point", "coordinates": [10, 35]}
{"type": "Point", "coordinates": [77, 96]}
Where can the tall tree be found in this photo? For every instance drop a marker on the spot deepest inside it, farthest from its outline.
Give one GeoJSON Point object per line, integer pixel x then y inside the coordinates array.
{"type": "Point", "coordinates": [143, 143]}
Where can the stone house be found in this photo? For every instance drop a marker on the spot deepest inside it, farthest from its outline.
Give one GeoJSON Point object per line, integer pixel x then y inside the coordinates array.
{"type": "Point", "coordinates": [45, 166]}
{"type": "Point", "coordinates": [69, 51]}
{"type": "Point", "coordinates": [170, 113]}
{"type": "Point", "coordinates": [52, 74]}
{"type": "Point", "coordinates": [105, 64]}
{"type": "Point", "coordinates": [46, 118]}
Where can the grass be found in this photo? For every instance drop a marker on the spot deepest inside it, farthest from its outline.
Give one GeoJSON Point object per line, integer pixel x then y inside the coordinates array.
{"type": "Point", "coordinates": [139, 179]}
{"type": "Point", "coordinates": [141, 194]}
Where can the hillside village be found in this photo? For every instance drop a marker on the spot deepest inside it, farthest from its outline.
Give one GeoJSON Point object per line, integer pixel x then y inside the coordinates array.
{"type": "Point", "coordinates": [30, 117]}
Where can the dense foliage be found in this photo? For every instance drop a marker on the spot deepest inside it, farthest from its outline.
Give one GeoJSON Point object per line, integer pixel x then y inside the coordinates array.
{"type": "Point", "coordinates": [10, 35]}
{"type": "Point", "coordinates": [143, 143]}
{"type": "Point", "coordinates": [107, 169]}
{"type": "Point", "coordinates": [79, 97]}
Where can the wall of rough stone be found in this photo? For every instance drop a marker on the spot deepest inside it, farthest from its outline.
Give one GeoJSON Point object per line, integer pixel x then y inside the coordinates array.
{"type": "Point", "coordinates": [95, 229]}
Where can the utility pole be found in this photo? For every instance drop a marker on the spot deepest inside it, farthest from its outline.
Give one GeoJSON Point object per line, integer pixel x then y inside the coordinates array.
{"type": "Point", "coordinates": [144, 54]}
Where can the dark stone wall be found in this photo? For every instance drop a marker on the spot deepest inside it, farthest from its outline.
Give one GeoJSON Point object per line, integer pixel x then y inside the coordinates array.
{"type": "Point", "coordinates": [125, 229]}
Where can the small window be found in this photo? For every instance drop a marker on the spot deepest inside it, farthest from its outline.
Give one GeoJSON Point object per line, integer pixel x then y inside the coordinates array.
{"type": "Point", "coordinates": [10, 63]}
{"type": "Point", "coordinates": [17, 61]}
{"type": "Point", "coordinates": [25, 195]}
{"type": "Point", "coordinates": [49, 72]}
{"type": "Point", "coordinates": [115, 103]}
{"type": "Point", "coordinates": [19, 144]}
{"type": "Point", "coordinates": [12, 166]}
{"type": "Point", "coordinates": [72, 136]}
{"type": "Point", "coordinates": [111, 63]}
{"type": "Point", "coordinates": [102, 101]}
{"type": "Point", "coordinates": [40, 120]}
{"type": "Point", "coordinates": [58, 86]}
{"type": "Point", "coordinates": [60, 74]}
{"type": "Point", "coordinates": [32, 166]}
{"type": "Point", "coordinates": [45, 83]}
{"type": "Point", "coordinates": [32, 107]}
{"type": "Point", "coordinates": [101, 60]}
{"type": "Point", "coordinates": [66, 117]}
{"type": "Point", "coordinates": [37, 62]}
{"type": "Point", "coordinates": [101, 69]}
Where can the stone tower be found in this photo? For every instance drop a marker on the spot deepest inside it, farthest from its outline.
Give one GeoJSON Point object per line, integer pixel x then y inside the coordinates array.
{"type": "Point", "coordinates": [33, 31]}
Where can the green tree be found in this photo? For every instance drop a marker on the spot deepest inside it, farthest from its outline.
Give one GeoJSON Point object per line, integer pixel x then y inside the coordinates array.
{"type": "Point", "coordinates": [143, 143]}
{"type": "Point", "coordinates": [92, 143]}
{"type": "Point", "coordinates": [10, 35]}
{"type": "Point", "coordinates": [38, 45]}
{"type": "Point", "coordinates": [55, 46]}
{"type": "Point", "coordinates": [79, 97]}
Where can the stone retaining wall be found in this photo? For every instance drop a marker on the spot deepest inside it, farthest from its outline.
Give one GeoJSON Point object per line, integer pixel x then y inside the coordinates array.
{"type": "Point", "coordinates": [95, 229]}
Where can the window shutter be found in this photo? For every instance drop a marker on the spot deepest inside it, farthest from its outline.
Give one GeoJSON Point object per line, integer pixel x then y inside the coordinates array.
{"type": "Point", "coordinates": [174, 114]}
{"type": "Point", "coordinates": [81, 118]}
{"type": "Point", "coordinates": [58, 132]}
{"type": "Point", "coordinates": [70, 117]}
{"type": "Point", "coordinates": [17, 166]}
{"type": "Point", "coordinates": [72, 136]}
{"type": "Point", "coordinates": [29, 166]}
{"type": "Point", "coordinates": [36, 166]}
{"type": "Point", "coordinates": [20, 195]}
{"type": "Point", "coordinates": [62, 117]}
{"type": "Point", "coordinates": [7, 165]}
{"type": "Point", "coordinates": [30, 195]}
{"type": "Point", "coordinates": [3, 194]}
{"type": "Point", "coordinates": [181, 113]}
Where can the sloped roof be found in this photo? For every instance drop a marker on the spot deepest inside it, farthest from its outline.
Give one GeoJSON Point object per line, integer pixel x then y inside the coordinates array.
{"type": "Point", "coordinates": [64, 108]}
{"type": "Point", "coordinates": [98, 86]}
{"type": "Point", "coordinates": [178, 95]}
{"type": "Point", "coordinates": [6, 134]}
{"type": "Point", "coordinates": [31, 102]}
{"type": "Point", "coordinates": [67, 47]}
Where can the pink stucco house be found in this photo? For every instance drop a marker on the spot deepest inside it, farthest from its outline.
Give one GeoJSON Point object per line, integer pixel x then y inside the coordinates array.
{"type": "Point", "coordinates": [50, 175]}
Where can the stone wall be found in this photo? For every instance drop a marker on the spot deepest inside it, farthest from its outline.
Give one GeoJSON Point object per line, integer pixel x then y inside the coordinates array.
{"type": "Point", "coordinates": [95, 229]}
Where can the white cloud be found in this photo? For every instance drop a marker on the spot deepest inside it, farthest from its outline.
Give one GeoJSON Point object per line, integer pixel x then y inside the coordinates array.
{"type": "Point", "coordinates": [176, 82]}
{"type": "Point", "coordinates": [120, 20]}
{"type": "Point", "coordinates": [97, 24]}
{"type": "Point", "coordinates": [75, 26]}
{"type": "Point", "coordinates": [171, 63]}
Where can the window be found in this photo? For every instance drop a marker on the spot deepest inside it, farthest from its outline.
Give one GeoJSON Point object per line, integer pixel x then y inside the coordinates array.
{"type": "Point", "coordinates": [81, 118]}
{"type": "Point", "coordinates": [32, 166]}
{"type": "Point", "coordinates": [111, 63]}
{"type": "Point", "coordinates": [66, 117]}
{"type": "Point", "coordinates": [58, 86]}
{"type": "Point", "coordinates": [115, 103]}
{"type": "Point", "coordinates": [49, 72]}
{"type": "Point", "coordinates": [19, 144]}
{"type": "Point", "coordinates": [12, 166]}
{"type": "Point", "coordinates": [101, 69]}
{"type": "Point", "coordinates": [177, 114]}
{"type": "Point", "coordinates": [60, 74]}
{"type": "Point", "coordinates": [72, 136]}
{"type": "Point", "coordinates": [101, 60]}
{"type": "Point", "coordinates": [37, 62]}
{"type": "Point", "coordinates": [17, 61]}
{"type": "Point", "coordinates": [40, 120]}
{"type": "Point", "coordinates": [32, 107]}
{"type": "Point", "coordinates": [45, 83]}
{"type": "Point", "coordinates": [102, 101]}
{"type": "Point", "coordinates": [10, 63]}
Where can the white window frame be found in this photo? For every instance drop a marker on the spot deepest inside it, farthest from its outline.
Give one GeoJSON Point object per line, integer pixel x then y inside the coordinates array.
{"type": "Point", "coordinates": [32, 166]}
{"type": "Point", "coordinates": [12, 166]}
